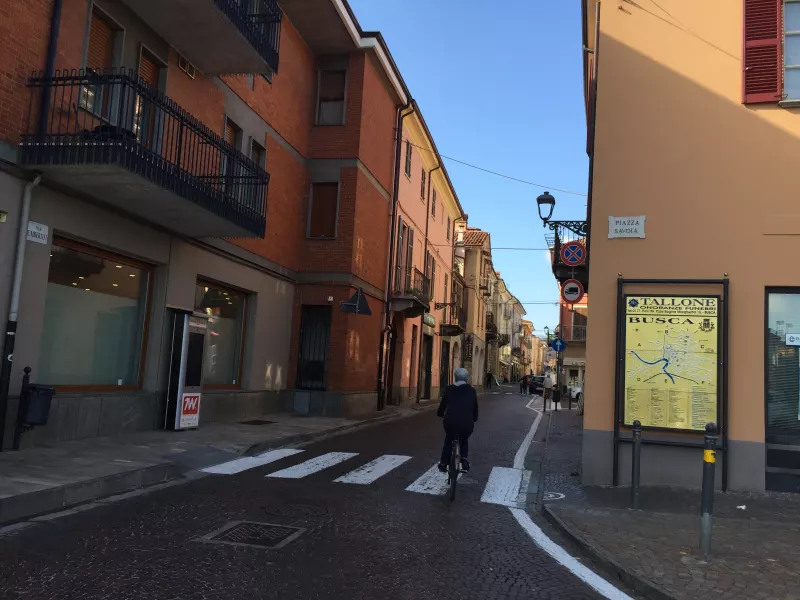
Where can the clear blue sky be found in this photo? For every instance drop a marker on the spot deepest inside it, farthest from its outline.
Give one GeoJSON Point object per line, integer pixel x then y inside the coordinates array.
{"type": "Point", "coordinates": [500, 88]}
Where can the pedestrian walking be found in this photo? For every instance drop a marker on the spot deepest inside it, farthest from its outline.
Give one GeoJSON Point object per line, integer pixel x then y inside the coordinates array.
{"type": "Point", "coordinates": [523, 385]}
{"type": "Point", "coordinates": [489, 379]}
{"type": "Point", "coordinates": [548, 389]}
{"type": "Point", "coordinates": [531, 391]}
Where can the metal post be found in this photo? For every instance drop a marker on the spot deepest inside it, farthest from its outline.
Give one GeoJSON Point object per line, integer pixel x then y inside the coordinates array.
{"type": "Point", "coordinates": [22, 407]}
{"type": "Point", "coordinates": [636, 463]}
{"type": "Point", "coordinates": [7, 358]}
{"type": "Point", "coordinates": [707, 505]}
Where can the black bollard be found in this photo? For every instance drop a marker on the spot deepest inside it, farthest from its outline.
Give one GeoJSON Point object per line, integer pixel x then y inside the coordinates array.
{"type": "Point", "coordinates": [636, 463]}
{"type": "Point", "coordinates": [22, 407]}
{"type": "Point", "coordinates": [707, 504]}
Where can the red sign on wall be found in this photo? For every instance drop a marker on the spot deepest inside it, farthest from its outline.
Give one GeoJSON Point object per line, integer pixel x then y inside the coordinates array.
{"type": "Point", "coordinates": [190, 410]}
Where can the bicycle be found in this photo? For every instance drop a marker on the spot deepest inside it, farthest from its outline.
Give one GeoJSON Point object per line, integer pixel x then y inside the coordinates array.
{"type": "Point", "coordinates": [454, 467]}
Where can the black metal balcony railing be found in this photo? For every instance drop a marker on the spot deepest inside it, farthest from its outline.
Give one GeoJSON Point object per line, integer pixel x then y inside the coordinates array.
{"type": "Point", "coordinates": [455, 315]}
{"type": "Point", "coordinates": [564, 232]}
{"type": "Point", "coordinates": [260, 22]}
{"type": "Point", "coordinates": [516, 351]}
{"type": "Point", "coordinates": [113, 117]}
{"type": "Point", "coordinates": [572, 333]}
{"type": "Point", "coordinates": [503, 339]}
{"type": "Point", "coordinates": [412, 282]}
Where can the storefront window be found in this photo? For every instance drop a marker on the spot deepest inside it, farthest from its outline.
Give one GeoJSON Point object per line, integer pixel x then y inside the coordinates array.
{"type": "Point", "coordinates": [783, 362]}
{"type": "Point", "coordinates": [225, 309]}
{"type": "Point", "coordinates": [94, 319]}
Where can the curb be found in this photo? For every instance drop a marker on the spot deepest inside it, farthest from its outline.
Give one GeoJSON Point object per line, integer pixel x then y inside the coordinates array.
{"type": "Point", "coordinates": [25, 506]}
{"type": "Point", "coordinates": [626, 576]}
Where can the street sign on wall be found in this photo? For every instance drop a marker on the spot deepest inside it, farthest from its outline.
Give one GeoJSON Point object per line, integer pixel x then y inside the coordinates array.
{"type": "Point", "coordinates": [572, 291]}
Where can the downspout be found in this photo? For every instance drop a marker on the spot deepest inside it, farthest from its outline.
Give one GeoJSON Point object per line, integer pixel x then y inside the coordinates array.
{"type": "Point", "coordinates": [16, 286]}
{"type": "Point", "coordinates": [433, 292]}
{"type": "Point", "coordinates": [401, 115]}
{"type": "Point", "coordinates": [49, 66]}
{"type": "Point", "coordinates": [592, 121]}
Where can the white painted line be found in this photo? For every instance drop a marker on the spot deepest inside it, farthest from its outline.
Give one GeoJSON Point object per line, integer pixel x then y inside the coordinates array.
{"type": "Point", "coordinates": [320, 463]}
{"type": "Point", "coordinates": [519, 459]}
{"type": "Point", "coordinates": [249, 462]}
{"type": "Point", "coordinates": [561, 556]}
{"type": "Point", "coordinates": [509, 393]}
{"type": "Point", "coordinates": [432, 482]}
{"type": "Point", "coordinates": [372, 471]}
{"type": "Point", "coordinates": [504, 486]}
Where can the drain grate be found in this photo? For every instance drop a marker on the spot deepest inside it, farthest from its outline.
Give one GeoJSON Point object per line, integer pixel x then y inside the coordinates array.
{"type": "Point", "coordinates": [256, 422]}
{"type": "Point", "coordinates": [252, 534]}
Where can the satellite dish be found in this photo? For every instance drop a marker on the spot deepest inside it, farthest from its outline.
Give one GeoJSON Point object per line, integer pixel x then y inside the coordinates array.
{"type": "Point", "coordinates": [357, 305]}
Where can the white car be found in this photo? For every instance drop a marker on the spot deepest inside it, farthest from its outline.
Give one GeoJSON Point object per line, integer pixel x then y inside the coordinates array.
{"type": "Point", "coordinates": [576, 393]}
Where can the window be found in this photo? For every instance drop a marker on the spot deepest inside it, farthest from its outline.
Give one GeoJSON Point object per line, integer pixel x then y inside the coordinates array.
{"type": "Point", "coordinates": [322, 218]}
{"type": "Point", "coordinates": [449, 225]}
{"type": "Point", "coordinates": [445, 298]}
{"type": "Point", "coordinates": [330, 107]}
{"type": "Point", "coordinates": [422, 187]}
{"type": "Point", "coordinates": [791, 45]}
{"type": "Point", "coordinates": [232, 133]}
{"type": "Point", "coordinates": [99, 57]}
{"type": "Point", "coordinates": [408, 158]}
{"type": "Point", "coordinates": [225, 309]}
{"type": "Point", "coordinates": [185, 66]}
{"type": "Point", "coordinates": [433, 203]}
{"type": "Point", "coordinates": [258, 154]}
{"type": "Point", "coordinates": [94, 319]}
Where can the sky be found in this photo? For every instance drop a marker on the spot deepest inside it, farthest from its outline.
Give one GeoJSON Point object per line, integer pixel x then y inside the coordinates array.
{"type": "Point", "coordinates": [501, 89]}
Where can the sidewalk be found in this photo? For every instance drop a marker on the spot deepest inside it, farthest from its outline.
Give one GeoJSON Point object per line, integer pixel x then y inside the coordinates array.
{"type": "Point", "coordinates": [756, 554]}
{"type": "Point", "coordinates": [43, 479]}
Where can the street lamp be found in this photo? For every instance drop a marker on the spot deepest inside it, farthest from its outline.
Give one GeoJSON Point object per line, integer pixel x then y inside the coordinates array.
{"type": "Point", "coordinates": [546, 202]}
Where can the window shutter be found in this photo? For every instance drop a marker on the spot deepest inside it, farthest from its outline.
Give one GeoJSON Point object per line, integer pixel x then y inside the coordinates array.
{"type": "Point", "coordinates": [762, 62]}
{"type": "Point", "coordinates": [100, 54]}
{"type": "Point", "coordinates": [148, 71]}
{"type": "Point", "coordinates": [410, 255]}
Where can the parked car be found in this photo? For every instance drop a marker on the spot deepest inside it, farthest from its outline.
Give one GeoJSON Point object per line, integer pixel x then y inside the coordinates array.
{"type": "Point", "coordinates": [538, 384]}
{"type": "Point", "coordinates": [577, 396]}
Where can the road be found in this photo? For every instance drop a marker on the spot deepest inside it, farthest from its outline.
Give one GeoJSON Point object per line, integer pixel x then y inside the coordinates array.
{"type": "Point", "coordinates": [367, 537]}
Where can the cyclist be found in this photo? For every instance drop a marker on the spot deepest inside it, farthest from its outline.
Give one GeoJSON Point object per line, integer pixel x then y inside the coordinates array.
{"type": "Point", "coordinates": [459, 407]}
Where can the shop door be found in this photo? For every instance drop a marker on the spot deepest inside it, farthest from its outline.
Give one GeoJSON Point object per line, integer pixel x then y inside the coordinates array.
{"type": "Point", "coordinates": [315, 329]}
{"type": "Point", "coordinates": [426, 367]}
{"type": "Point", "coordinates": [444, 367]}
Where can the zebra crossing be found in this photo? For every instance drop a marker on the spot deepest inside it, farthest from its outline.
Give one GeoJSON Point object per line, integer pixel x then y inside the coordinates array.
{"type": "Point", "coordinates": [505, 486]}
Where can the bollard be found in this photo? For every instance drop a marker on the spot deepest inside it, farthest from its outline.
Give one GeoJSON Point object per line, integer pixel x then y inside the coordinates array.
{"type": "Point", "coordinates": [22, 408]}
{"type": "Point", "coordinates": [707, 504]}
{"type": "Point", "coordinates": [636, 462]}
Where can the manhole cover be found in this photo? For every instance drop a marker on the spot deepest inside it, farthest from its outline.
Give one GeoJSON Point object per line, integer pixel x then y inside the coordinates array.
{"type": "Point", "coordinates": [256, 422]}
{"type": "Point", "coordinates": [252, 534]}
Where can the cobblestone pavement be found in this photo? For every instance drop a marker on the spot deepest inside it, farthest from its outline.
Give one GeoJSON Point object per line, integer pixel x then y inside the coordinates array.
{"type": "Point", "coordinates": [360, 541]}
{"type": "Point", "coordinates": [756, 554]}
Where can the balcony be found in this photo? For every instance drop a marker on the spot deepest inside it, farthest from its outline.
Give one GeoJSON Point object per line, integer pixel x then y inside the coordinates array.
{"type": "Point", "coordinates": [491, 328]}
{"type": "Point", "coordinates": [218, 36]}
{"type": "Point", "coordinates": [411, 293]}
{"type": "Point", "coordinates": [564, 232]}
{"type": "Point", "coordinates": [516, 351]}
{"type": "Point", "coordinates": [503, 339]}
{"type": "Point", "coordinates": [454, 321]}
{"type": "Point", "coordinates": [113, 138]}
{"type": "Point", "coordinates": [572, 333]}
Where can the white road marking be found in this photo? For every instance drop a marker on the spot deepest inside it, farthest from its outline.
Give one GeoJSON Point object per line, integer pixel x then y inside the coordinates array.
{"type": "Point", "coordinates": [561, 556]}
{"type": "Point", "coordinates": [431, 482]}
{"type": "Point", "coordinates": [509, 393]}
{"type": "Point", "coordinates": [249, 462]}
{"type": "Point", "coordinates": [504, 486]}
{"type": "Point", "coordinates": [519, 458]}
{"type": "Point", "coordinates": [320, 463]}
{"type": "Point", "coordinates": [372, 471]}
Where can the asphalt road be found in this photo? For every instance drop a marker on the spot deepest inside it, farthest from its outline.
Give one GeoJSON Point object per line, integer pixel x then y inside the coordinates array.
{"type": "Point", "coordinates": [374, 540]}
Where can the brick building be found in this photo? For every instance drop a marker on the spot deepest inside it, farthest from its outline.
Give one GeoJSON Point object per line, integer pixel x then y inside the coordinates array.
{"type": "Point", "coordinates": [234, 162]}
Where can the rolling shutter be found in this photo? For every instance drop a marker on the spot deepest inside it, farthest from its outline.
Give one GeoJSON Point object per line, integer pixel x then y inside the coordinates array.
{"type": "Point", "coordinates": [100, 54]}
{"type": "Point", "coordinates": [762, 61]}
{"type": "Point", "coordinates": [230, 132]}
{"type": "Point", "coordinates": [148, 71]}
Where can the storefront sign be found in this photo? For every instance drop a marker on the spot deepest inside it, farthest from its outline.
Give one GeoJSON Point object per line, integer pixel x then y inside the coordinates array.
{"type": "Point", "coordinates": [793, 339]}
{"type": "Point", "coordinates": [429, 320]}
{"type": "Point", "coordinates": [38, 233]}
{"type": "Point", "coordinates": [671, 361]}
{"type": "Point", "coordinates": [190, 411]}
{"type": "Point", "coordinates": [626, 227]}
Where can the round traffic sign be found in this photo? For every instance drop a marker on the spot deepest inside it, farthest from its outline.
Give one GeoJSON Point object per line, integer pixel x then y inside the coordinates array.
{"type": "Point", "coordinates": [558, 345]}
{"type": "Point", "coordinates": [572, 291]}
{"type": "Point", "coordinates": [573, 254]}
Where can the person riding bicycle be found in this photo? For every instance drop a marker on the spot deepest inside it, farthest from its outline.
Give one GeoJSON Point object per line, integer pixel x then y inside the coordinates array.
{"type": "Point", "coordinates": [459, 407]}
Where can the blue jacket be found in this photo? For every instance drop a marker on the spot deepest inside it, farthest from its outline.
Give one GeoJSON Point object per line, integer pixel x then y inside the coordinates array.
{"type": "Point", "coordinates": [459, 407]}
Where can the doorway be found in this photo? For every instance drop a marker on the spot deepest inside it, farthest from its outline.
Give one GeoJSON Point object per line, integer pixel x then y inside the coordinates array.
{"type": "Point", "coordinates": [315, 329]}
{"type": "Point", "coordinates": [444, 367]}
{"type": "Point", "coordinates": [426, 368]}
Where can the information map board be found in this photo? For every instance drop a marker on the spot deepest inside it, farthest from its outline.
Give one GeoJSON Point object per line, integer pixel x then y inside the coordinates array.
{"type": "Point", "coordinates": [671, 361]}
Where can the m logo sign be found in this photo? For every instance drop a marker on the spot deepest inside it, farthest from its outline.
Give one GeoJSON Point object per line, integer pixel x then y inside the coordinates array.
{"type": "Point", "coordinates": [190, 411]}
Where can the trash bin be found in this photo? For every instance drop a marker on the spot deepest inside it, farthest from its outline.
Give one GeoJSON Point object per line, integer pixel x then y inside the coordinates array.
{"type": "Point", "coordinates": [38, 405]}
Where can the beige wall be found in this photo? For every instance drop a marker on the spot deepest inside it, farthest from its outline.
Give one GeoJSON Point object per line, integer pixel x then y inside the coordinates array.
{"type": "Point", "coordinates": [716, 179]}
